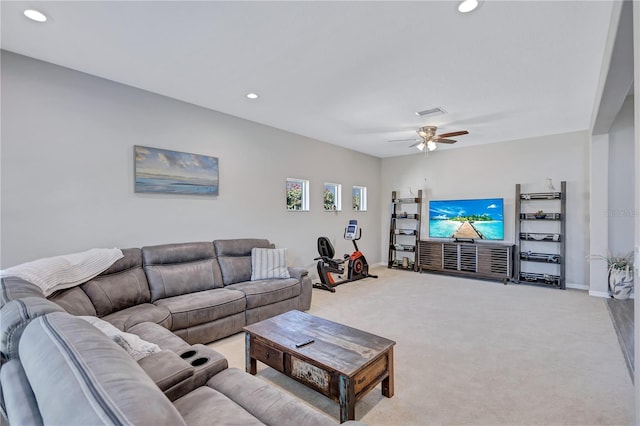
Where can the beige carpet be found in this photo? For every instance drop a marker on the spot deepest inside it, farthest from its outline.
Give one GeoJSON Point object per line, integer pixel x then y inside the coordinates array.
{"type": "Point", "coordinates": [476, 353]}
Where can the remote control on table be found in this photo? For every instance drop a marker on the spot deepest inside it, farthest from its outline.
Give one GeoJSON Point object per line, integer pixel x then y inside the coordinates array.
{"type": "Point", "coordinates": [304, 343]}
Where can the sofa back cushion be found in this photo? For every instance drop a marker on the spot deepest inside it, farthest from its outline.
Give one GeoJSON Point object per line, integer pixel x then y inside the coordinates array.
{"type": "Point", "coordinates": [176, 269]}
{"type": "Point", "coordinates": [121, 286]}
{"type": "Point", "coordinates": [80, 377]}
{"type": "Point", "coordinates": [12, 288]}
{"type": "Point", "coordinates": [75, 301]}
{"type": "Point", "coordinates": [234, 257]}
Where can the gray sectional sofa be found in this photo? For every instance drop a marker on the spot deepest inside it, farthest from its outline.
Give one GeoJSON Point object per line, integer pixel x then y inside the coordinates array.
{"type": "Point", "coordinates": [57, 368]}
{"type": "Point", "coordinates": [201, 291]}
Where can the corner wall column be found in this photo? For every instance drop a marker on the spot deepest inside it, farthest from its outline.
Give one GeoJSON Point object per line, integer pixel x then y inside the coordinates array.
{"type": "Point", "coordinates": [598, 214]}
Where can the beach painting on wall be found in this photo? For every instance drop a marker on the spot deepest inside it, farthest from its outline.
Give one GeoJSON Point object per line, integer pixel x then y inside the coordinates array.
{"type": "Point", "coordinates": [173, 172]}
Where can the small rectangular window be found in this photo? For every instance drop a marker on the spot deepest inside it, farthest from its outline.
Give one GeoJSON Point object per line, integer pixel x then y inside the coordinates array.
{"type": "Point", "coordinates": [359, 197]}
{"type": "Point", "coordinates": [297, 194]}
{"type": "Point", "coordinates": [332, 196]}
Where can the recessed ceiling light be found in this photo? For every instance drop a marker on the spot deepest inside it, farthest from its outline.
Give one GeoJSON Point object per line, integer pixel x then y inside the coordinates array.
{"type": "Point", "coordinates": [252, 95]}
{"type": "Point", "coordinates": [467, 6]}
{"type": "Point", "coordinates": [35, 15]}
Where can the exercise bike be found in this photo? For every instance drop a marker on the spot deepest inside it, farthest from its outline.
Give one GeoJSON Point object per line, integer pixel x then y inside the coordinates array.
{"type": "Point", "coordinates": [357, 267]}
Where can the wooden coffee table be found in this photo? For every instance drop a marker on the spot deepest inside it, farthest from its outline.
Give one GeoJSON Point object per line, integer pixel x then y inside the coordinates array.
{"type": "Point", "coordinates": [342, 363]}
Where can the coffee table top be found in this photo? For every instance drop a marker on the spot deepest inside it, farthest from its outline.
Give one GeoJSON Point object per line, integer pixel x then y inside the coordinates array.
{"type": "Point", "coordinates": [344, 349]}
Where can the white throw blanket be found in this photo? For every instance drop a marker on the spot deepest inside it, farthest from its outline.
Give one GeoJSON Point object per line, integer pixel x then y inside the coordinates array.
{"type": "Point", "coordinates": [57, 273]}
{"type": "Point", "coordinates": [133, 344]}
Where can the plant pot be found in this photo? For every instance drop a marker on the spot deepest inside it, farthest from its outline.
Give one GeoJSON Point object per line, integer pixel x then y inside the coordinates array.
{"type": "Point", "coordinates": [540, 216]}
{"type": "Point", "coordinates": [620, 283]}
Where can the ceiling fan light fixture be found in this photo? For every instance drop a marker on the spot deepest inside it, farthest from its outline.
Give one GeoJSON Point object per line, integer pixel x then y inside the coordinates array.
{"type": "Point", "coordinates": [431, 145]}
{"type": "Point", "coordinates": [420, 146]}
{"type": "Point", "coordinates": [427, 132]}
{"type": "Point", "coordinates": [467, 6]}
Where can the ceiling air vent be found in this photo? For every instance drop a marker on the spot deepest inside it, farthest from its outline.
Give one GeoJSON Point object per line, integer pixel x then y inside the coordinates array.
{"type": "Point", "coordinates": [436, 110]}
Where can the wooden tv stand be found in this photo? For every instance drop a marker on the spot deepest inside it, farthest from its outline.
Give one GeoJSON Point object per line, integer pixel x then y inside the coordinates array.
{"type": "Point", "coordinates": [474, 260]}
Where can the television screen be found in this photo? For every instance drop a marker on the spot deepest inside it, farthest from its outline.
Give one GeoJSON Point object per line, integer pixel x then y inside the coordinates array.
{"type": "Point", "coordinates": [479, 219]}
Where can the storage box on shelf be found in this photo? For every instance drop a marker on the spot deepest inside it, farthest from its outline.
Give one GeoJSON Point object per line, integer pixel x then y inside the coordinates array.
{"type": "Point", "coordinates": [404, 231]}
{"type": "Point", "coordinates": [540, 231]}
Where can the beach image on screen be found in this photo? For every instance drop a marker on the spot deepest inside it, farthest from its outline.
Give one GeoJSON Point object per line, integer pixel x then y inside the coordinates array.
{"type": "Point", "coordinates": [477, 219]}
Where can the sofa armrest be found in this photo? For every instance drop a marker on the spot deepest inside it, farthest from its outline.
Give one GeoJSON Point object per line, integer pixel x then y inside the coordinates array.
{"type": "Point", "coordinates": [166, 369]}
{"type": "Point", "coordinates": [206, 363]}
{"type": "Point", "coordinates": [297, 273]}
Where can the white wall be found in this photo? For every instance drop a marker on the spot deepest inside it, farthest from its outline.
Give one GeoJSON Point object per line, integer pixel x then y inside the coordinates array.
{"type": "Point", "coordinates": [68, 184]}
{"type": "Point", "coordinates": [492, 171]}
{"type": "Point", "coordinates": [621, 207]}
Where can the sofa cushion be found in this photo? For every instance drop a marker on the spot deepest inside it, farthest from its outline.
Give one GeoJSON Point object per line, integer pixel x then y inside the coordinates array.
{"type": "Point", "coordinates": [152, 332]}
{"type": "Point", "coordinates": [176, 269]}
{"type": "Point", "coordinates": [205, 406]}
{"type": "Point", "coordinates": [147, 312]}
{"type": "Point", "coordinates": [214, 330]}
{"type": "Point", "coordinates": [266, 292]}
{"type": "Point", "coordinates": [264, 401]}
{"type": "Point", "coordinates": [136, 347]}
{"type": "Point", "coordinates": [193, 309]}
{"type": "Point", "coordinates": [75, 301]}
{"type": "Point", "coordinates": [234, 257]}
{"type": "Point", "coordinates": [79, 376]}
{"type": "Point", "coordinates": [121, 286]}
{"type": "Point", "coordinates": [268, 264]}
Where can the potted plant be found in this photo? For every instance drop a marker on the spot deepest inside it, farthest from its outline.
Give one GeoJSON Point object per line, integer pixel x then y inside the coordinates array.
{"type": "Point", "coordinates": [620, 274]}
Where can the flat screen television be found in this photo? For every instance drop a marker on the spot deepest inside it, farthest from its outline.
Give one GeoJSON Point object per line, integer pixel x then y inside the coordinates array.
{"type": "Point", "coordinates": [477, 219]}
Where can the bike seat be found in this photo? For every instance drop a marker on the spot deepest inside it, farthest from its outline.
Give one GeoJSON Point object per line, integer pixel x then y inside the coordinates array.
{"type": "Point", "coordinates": [326, 252]}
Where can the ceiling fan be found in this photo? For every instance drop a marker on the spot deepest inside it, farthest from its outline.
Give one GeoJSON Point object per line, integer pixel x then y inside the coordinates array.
{"type": "Point", "coordinates": [429, 138]}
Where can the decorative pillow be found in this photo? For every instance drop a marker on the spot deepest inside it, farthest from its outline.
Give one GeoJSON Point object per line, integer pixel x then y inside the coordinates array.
{"type": "Point", "coordinates": [57, 273]}
{"type": "Point", "coordinates": [134, 345]}
{"type": "Point", "coordinates": [269, 264]}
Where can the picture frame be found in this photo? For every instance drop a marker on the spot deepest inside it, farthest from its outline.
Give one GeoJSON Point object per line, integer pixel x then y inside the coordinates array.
{"type": "Point", "coordinates": [173, 172]}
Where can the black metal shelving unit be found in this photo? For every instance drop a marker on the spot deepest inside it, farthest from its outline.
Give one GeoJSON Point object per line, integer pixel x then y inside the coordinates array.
{"type": "Point", "coordinates": [404, 231]}
{"type": "Point", "coordinates": [541, 237]}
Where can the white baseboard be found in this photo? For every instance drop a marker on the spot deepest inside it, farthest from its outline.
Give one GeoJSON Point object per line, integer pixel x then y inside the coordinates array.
{"type": "Point", "coordinates": [604, 294]}
{"type": "Point", "coordinates": [577, 286]}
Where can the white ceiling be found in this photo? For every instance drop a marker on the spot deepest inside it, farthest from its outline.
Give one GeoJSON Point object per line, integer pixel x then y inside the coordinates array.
{"type": "Point", "coordinates": [348, 73]}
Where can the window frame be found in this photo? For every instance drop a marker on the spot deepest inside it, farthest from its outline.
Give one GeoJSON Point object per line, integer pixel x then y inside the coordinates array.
{"type": "Point", "coordinates": [304, 195]}
{"type": "Point", "coordinates": [337, 194]}
{"type": "Point", "coordinates": [362, 205]}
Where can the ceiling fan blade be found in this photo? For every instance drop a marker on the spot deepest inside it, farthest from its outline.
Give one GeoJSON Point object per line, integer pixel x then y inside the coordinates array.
{"type": "Point", "coordinates": [444, 140]}
{"type": "Point", "coordinates": [418, 142]}
{"type": "Point", "coordinates": [406, 140]}
{"type": "Point", "coordinates": [448, 135]}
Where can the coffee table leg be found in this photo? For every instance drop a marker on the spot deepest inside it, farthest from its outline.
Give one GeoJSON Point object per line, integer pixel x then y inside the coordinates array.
{"type": "Point", "coordinates": [387, 384]}
{"type": "Point", "coordinates": [251, 366]}
{"type": "Point", "coordinates": [347, 399]}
